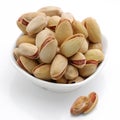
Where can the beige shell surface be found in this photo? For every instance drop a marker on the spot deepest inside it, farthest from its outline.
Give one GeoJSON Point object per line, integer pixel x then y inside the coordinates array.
{"type": "Point", "coordinates": [77, 80]}
{"type": "Point", "coordinates": [96, 46]}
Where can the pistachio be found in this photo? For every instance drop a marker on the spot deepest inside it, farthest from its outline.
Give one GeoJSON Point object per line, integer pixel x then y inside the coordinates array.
{"type": "Point", "coordinates": [72, 45]}
{"type": "Point", "coordinates": [71, 72]}
{"type": "Point", "coordinates": [78, 60]}
{"type": "Point", "coordinates": [25, 39]}
{"type": "Point", "coordinates": [78, 27]}
{"type": "Point", "coordinates": [67, 16]}
{"type": "Point", "coordinates": [63, 30]}
{"type": "Point", "coordinates": [37, 24]}
{"type": "Point", "coordinates": [93, 29]}
{"type": "Point", "coordinates": [42, 71]}
{"type": "Point", "coordinates": [62, 81]}
{"type": "Point", "coordinates": [94, 54]}
{"type": "Point", "coordinates": [77, 80]}
{"type": "Point", "coordinates": [51, 10]}
{"type": "Point", "coordinates": [24, 20]}
{"type": "Point", "coordinates": [58, 67]}
{"type": "Point", "coordinates": [16, 53]}
{"type": "Point", "coordinates": [28, 50]}
{"type": "Point", "coordinates": [95, 46]}
{"type": "Point", "coordinates": [26, 63]}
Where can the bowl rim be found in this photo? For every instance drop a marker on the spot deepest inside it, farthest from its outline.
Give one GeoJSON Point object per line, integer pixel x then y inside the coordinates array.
{"type": "Point", "coordinates": [52, 84]}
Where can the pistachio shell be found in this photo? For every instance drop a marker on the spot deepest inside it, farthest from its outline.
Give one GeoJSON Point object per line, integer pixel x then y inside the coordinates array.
{"type": "Point", "coordinates": [71, 72]}
{"type": "Point", "coordinates": [37, 24]}
{"type": "Point", "coordinates": [95, 46]}
{"type": "Point", "coordinates": [51, 10]}
{"type": "Point", "coordinates": [71, 45]}
{"type": "Point", "coordinates": [28, 50]}
{"type": "Point", "coordinates": [26, 63]}
{"type": "Point", "coordinates": [87, 70]}
{"type": "Point", "coordinates": [42, 71]}
{"type": "Point", "coordinates": [94, 54]}
{"type": "Point", "coordinates": [94, 32]}
{"type": "Point", "coordinates": [61, 81]}
{"type": "Point", "coordinates": [25, 39]}
{"type": "Point", "coordinates": [63, 31]}
{"type": "Point", "coordinates": [78, 79]}
{"type": "Point", "coordinates": [78, 60]}
{"type": "Point", "coordinates": [16, 53]}
{"type": "Point", "coordinates": [78, 27]}
{"type": "Point", "coordinates": [58, 67]}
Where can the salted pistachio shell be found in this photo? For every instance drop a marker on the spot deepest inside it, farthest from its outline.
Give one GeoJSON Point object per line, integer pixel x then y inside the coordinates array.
{"type": "Point", "coordinates": [28, 50]}
{"type": "Point", "coordinates": [68, 16]}
{"type": "Point", "coordinates": [72, 45]}
{"type": "Point", "coordinates": [37, 24]}
{"type": "Point", "coordinates": [26, 63]}
{"type": "Point", "coordinates": [63, 30]}
{"type": "Point", "coordinates": [42, 71]}
{"type": "Point", "coordinates": [25, 39]}
{"type": "Point", "coordinates": [93, 100]}
{"type": "Point", "coordinates": [79, 106]}
{"type": "Point", "coordinates": [58, 67]}
{"type": "Point", "coordinates": [78, 60]}
{"type": "Point", "coordinates": [95, 46]}
{"type": "Point", "coordinates": [42, 36]}
{"type": "Point", "coordinates": [61, 81]}
{"type": "Point", "coordinates": [53, 22]}
{"type": "Point", "coordinates": [16, 53]}
{"type": "Point", "coordinates": [94, 32]}
{"type": "Point", "coordinates": [78, 27]}
{"type": "Point", "coordinates": [94, 54]}
{"type": "Point", "coordinates": [71, 72]}
{"type": "Point", "coordinates": [51, 10]}
{"type": "Point", "coordinates": [24, 20]}
{"type": "Point", "coordinates": [88, 69]}
{"type": "Point", "coordinates": [77, 80]}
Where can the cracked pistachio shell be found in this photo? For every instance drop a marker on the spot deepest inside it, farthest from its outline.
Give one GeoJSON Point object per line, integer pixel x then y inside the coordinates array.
{"type": "Point", "coordinates": [94, 54]}
{"type": "Point", "coordinates": [94, 32]}
{"type": "Point", "coordinates": [95, 46]}
{"type": "Point", "coordinates": [28, 50]}
{"type": "Point", "coordinates": [42, 71]}
{"type": "Point", "coordinates": [25, 39]}
{"type": "Point", "coordinates": [78, 60]}
{"type": "Point", "coordinates": [78, 79]}
{"type": "Point", "coordinates": [88, 70]}
{"type": "Point", "coordinates": [71, 72]}
{"type": "Point", "coordinates": [72, 45]}
{"type": "Point", "coordinates": [42, 36]}
{"type": "Point", "coordinates": [51, 10]}
{"type": "Point", "coordinates": [58, 67]}
{"type": "Point", "coordinates": [37, 24]}
{"type": "Point", "coordinates": [78, 27]}
{"type": "Point", "coordinates": [24, 20]}
{"type": "Point", "coordinates": [26, 63]}
{"type": "Point", "coordinates": [67, 16]}
{"type": "Point", "coordinates": [80, 105]}
{"type": "Point", "coordinates": [63, 30]}
{"type": "Point", "coordinates": [48, 50]}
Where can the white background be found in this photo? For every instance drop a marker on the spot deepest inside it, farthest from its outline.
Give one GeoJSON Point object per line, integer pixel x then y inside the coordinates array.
{"type": "Point", "coordinates": [22, 100]}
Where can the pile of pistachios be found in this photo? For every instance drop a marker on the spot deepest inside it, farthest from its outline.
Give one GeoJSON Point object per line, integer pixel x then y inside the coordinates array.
{"type": "Point", "coordinates": [56, 47]}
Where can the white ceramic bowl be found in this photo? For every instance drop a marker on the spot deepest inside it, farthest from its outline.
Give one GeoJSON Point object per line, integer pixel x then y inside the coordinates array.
{"type": "Point", "coordinates": [61, 87]}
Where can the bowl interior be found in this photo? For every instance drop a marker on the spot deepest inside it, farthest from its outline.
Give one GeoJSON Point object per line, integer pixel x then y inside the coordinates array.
{"type": "Point", "coordinates": [61, 87]}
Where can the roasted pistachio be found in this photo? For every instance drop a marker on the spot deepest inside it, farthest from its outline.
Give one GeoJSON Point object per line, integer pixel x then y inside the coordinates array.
{"type": "Point", "coordinates": [61, 81]}
{"type": "Point", "coordinates": [95, 46]}
{"type": "Point", "coordinates": [77, 80]}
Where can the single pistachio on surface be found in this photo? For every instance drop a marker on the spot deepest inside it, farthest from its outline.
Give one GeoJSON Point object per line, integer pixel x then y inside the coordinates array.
{"type": "Point", "coordinates": [37, 24]}
{"type": "Point", "coordinates": [26, 63]}
{"type": "Point", "coordinates": [94, 32]}
{"type": "Point", "coordinates": [58, 67]}
{"type": "Point", "coordinates": [71, 72]}
{"type": "Point", "coordinates": [78, 60]}
{"type": "Point", "coordinates": [25, 39]}
{"type": "Point", "coordinates": [77, 80]}
{"type": "Point", "coordinates": [24, 20]}
{"type": "Point", "coordinates": [28, 50]}
{"type": "Point", "coordinates": [51, 10]}
{"type": "Point", "coordinates": [42, 71]}
{"type": "Point", "coordinates": [78, 27]}
{"type": "Point", "coordinates": [72, 45]}
{"type": "Point", "coordinates": [63, 30]}
{"type": "Point", "coordinates": [95, 46]}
